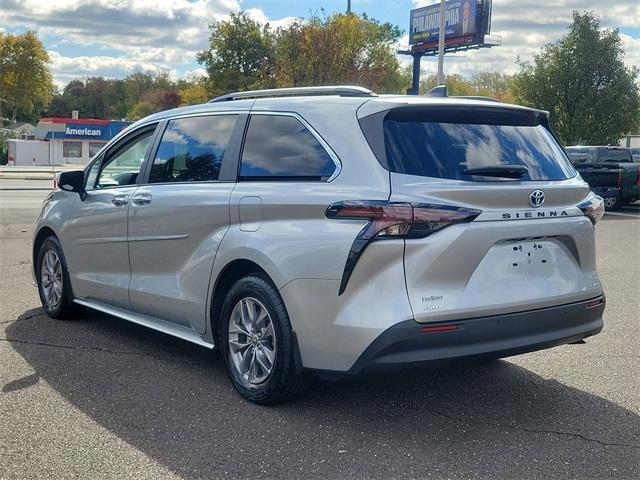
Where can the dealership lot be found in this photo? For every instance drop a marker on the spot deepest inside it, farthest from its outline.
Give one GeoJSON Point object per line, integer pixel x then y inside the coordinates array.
{"type": "Point", "coordinates": [99, 397]}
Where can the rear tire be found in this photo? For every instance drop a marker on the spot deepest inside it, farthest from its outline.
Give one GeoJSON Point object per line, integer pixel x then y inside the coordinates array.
{"type": "Point", "coordinates": [258, 343]}
{"type": "Point", "coordinates": [52, 275]}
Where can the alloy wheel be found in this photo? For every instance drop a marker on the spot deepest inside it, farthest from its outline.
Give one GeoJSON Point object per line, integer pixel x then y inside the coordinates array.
{"type": "Point", "coordinates": [51, 279]}
{"type": "Point", "coordinates": [252, 341]}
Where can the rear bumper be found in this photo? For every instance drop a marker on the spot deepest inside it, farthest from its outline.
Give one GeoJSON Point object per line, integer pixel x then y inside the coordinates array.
{"type": "Point", "coordinates": [500, 336]}
{"type": "Point", "coordinates": [606, 192]}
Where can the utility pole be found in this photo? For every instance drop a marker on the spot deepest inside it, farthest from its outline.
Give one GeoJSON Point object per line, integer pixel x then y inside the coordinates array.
{"type": "Point", "coordinates": [441, 44]}
{"type": "Point", "coordinates": [348, 6]}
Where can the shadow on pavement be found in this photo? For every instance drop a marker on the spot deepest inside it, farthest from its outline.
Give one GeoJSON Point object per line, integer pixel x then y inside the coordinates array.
{"type": "Point", "coordinates": [172, 401]}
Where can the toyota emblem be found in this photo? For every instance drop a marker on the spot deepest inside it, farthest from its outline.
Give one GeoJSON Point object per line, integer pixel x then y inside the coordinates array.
{"type": "Point", "coordinates": [536, 198]}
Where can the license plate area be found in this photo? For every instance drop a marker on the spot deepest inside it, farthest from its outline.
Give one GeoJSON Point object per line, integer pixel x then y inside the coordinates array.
{"type": "Point", "coordinates": [529, 254]}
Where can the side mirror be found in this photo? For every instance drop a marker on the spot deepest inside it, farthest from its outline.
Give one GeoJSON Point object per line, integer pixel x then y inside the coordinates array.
{"type": "Point", "coordinates": [72, 181]}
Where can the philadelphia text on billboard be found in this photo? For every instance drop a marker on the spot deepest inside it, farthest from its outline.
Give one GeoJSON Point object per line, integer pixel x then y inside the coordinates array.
{"type": "Point", "coordinates": [460, 21]}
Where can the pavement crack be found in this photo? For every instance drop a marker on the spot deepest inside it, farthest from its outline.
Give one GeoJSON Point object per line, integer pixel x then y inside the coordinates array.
{"type": "Point", "coordinates": [95, 349]}
{"type": "Point", "coordinates": [20, 319]}
{"type": "Point", "coordinates": [530, 430]}
{"type": "Point", "coordinates": [15, 264]}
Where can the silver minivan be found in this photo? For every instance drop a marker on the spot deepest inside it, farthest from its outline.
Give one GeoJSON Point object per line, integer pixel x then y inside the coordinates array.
{"type": "Point", "coordinates": [330, 231]}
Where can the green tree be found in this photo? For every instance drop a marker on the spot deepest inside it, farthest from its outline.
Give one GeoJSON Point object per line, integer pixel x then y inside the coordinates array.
{"type": "Point", "coordinates": [135, 96]}
{"type": "Point", "coordinates": [193, 92]}
{"type": "Point", "coordinates": [323, 50]}
{"type": "Point", "coordinates": [26, 85]}
{"type": "Point", "coordinates": [490, 84]}
{"type": "Point", "coordinates": [340, 49]}
{"type": "Point", "coordinates": [583, 82]}
{"type": "Point", "coordinates": [240, 55]}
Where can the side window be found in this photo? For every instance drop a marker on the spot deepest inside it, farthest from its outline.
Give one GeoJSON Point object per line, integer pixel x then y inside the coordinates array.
{"type": "Point", "coordinates": [192, 149]}
{"type": "Point", "coordinates": [91, 175]}
{"type": "Point", "coordinates": [280, 147]}
{"type": "Point", "coordinates": [123, 165]}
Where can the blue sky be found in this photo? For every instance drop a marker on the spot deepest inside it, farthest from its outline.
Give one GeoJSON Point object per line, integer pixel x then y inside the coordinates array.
{"type": "Point", "coordinates": [118, 37]}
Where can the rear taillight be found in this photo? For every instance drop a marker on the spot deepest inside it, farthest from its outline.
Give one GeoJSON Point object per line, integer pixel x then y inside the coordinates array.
{"type": "Point", "coordinates": [593, 208]}
{"type": "Point", "coordinates": [394, 220]}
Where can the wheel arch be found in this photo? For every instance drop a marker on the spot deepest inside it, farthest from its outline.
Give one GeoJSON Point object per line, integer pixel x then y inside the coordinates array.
{"type": "Point", "coordinates": [230, 273]}
{"type": "Point", "coordinates": [44, 233]}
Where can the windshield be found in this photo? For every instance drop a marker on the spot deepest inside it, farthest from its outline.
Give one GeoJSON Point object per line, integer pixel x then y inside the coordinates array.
{"type": "Point", "coordinates": [443, 144]}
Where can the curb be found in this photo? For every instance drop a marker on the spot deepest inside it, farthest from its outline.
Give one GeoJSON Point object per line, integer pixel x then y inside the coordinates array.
{"type": "Point", "coordinates": [25, 176]}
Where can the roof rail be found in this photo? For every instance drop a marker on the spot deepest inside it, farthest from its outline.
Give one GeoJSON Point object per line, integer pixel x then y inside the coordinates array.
{"type": "Point", "coordinates": [340, 90]}
{"type": "Point", "coordinates": [441, 92]}
{"type": "Point", "coordinates": [478, 97]}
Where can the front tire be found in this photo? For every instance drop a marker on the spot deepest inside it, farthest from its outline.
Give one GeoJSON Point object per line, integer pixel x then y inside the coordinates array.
{"type": "Point", "coordinates": [258, 343]}
{"type": "Point", "coordinates": [54, 286]}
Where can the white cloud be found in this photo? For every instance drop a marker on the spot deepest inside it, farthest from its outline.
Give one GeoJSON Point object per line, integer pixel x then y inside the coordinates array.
{"type": "Point", "coordinates": [260, 17]}
{"type": "Point", "coordinates": [149, 35]}
{"type": "Point", "coordinates": [68, 68]}
{"type": "Point", "coordinates": [526, 25]}
{"type": "Point", "coordinates": [195, 73]}
{"type": "Point", "coordinates": [153, 35]}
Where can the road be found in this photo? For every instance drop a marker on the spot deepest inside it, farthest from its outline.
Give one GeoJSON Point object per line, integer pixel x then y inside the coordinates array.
{"type": "Point", "coordinates": [101, 398]}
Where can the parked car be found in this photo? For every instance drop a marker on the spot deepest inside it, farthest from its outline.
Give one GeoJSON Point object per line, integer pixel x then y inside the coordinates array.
{"type": "Point", "coordinates": [610, 171]}
{"type": "Point", "coordinates": [635, 153]}
{"type": "Point", "coordinates": [330, 231]}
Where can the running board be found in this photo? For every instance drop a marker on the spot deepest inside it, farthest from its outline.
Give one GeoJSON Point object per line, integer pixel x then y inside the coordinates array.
{"type": "Point", "coordinates": [183, 333]}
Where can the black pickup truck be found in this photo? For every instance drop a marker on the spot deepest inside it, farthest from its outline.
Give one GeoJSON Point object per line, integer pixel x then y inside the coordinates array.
{"type": "Point", "coordinates": [610, 171]}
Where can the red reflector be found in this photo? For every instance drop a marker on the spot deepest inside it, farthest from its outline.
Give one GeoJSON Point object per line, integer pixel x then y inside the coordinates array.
{"type": "Point", "coordinates": [438, 328]}
{"type": "Point", "coordinates": [593, 303]}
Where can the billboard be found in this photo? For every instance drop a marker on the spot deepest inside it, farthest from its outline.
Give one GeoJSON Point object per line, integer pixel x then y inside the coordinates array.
{"type": "Point", "coordinates": [462, 19]}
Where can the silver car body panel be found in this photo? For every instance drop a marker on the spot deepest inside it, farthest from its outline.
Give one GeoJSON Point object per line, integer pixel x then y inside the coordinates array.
{"type": "Point", "coordinates": [173, 240]}
{"type": "Point", "coordinates": [96, 242]}
{"type": "Point", "coordinates": [178, 244]}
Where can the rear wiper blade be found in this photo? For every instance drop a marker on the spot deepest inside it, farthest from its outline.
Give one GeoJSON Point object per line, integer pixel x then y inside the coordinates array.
{"type": "Point", "coordinates": [503, 171]}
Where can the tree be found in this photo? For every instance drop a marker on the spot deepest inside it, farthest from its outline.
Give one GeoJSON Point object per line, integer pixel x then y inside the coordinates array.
{"type": "Point", "coordinates": [340, 49]}
{"type": "Point", "coordinates": [323, 50]}
{"type": "Point", "coordinates": [583, 82]}
{"type": "Point", "coordinates": [135, 96]}
{"type": "Point", "coordinates": [193, 92]}
{"type": "Point", "coordinates": [26, 85]}
{"type": "Point", "coordinates": [240, 55]}
{"type": "Point", "coordinates": [489, 84]}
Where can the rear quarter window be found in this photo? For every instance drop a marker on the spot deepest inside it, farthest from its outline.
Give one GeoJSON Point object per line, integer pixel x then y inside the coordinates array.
{"type": "Point", "coordinates": [280, 147]}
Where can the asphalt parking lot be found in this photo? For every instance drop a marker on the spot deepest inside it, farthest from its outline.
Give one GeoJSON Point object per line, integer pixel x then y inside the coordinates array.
{"type": "Point", "coordinates": [102, 398]}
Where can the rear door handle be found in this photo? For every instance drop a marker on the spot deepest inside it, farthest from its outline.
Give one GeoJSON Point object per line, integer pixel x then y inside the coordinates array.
{"type": "Point", "coordinates": [120, 200]}
{"type": "Point", "coordinates": [141, 199]}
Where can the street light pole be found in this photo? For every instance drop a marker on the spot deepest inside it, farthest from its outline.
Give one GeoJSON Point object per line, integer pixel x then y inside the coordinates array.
{"type": "Point", "coordinates": [441, 44]}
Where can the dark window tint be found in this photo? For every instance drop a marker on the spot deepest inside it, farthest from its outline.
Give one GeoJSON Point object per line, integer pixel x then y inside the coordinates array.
{"type": "Point", "coordinates": [279, 147]}
{"type": "Point", "coordinates": [614, 155]}
{"type": "Point", "coordinates": [444, 144]}
{"type": "Point", "coordinates": [191, 149]}
{"type": "Point", "coordinates": [579, 154]}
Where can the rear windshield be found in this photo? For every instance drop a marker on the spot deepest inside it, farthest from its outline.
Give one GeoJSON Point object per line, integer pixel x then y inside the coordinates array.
{"type": "Point", "coordinates": [614, 155]}
{"type": "Point", "coordinates": [443, 144]}
{"type": "Point", "coordinates": [579, 155]}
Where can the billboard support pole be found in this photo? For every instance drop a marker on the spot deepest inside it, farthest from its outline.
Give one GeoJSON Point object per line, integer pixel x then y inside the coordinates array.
{"type": "Point", "coordinates": [415, 77]}
{"type": "Point", "coordinates": [441, 44]}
